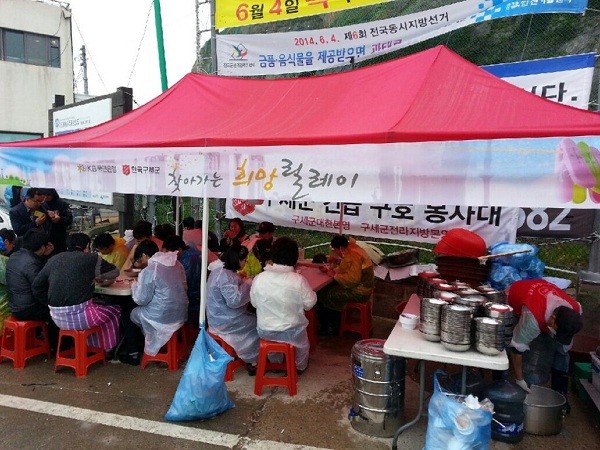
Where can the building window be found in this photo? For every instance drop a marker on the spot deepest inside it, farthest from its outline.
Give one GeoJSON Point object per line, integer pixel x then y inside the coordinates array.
{"type": "Point", "coordinates": [29, 48]}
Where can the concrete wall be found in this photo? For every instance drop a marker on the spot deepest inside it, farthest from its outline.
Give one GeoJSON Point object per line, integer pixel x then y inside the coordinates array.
{"type": "Point", "coordinates": [27, 91]}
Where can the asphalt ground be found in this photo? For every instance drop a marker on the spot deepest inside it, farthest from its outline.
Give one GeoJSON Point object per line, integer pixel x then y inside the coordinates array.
{"type": "Point", "coordinates": [122, 406]}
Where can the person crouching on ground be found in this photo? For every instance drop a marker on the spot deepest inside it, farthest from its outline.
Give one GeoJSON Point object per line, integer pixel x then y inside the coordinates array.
{"type": "Point", "coordinates": [280, 296]}
{"type": "Point", "coordinates": [227, 298]}
{"type": "Point", "coordinates": [66, 284]}
{"type": "Point", "coordinates": [161, 293]}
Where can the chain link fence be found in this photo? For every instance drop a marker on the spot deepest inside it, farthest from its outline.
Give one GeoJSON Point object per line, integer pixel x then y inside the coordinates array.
{"type": "Point", "coordinates": [521, 38]}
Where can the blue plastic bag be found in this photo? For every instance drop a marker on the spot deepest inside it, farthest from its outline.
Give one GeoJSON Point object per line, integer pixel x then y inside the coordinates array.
{"type": "Point", "coordinates": [202, 393]}
{"type": "Point", "coordinates": [451, 425]}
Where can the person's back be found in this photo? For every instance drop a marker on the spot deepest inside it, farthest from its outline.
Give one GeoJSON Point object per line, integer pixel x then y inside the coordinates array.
{"type": "Point", "coordinates": [21, 269]}
{"type": "Point", "coordinates": [161, 292]}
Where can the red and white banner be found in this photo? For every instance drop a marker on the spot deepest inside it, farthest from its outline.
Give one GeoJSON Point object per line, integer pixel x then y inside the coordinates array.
{"type": "Point", "coordinates": [414, 223]}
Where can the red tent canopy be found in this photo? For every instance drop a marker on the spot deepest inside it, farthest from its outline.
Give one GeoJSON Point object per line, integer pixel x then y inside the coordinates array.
{"type": "Point", "coordinates": [435, 95]}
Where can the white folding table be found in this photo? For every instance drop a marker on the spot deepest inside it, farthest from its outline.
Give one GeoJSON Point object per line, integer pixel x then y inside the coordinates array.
{"type": "Point", "coordinates": [412, 344]}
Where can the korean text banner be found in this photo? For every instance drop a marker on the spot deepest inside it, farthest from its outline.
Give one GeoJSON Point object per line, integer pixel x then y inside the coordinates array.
{"type": "Point", "coordinates": [530, 172]}
{"type": "Point", "coordinates": [302, 51]}
{"type": "Point", "coordinates": [238, 13]}
{"type": "Point", "coordinates": [566, 79]}
{"type": "Point", "coordinates": [414, 223]}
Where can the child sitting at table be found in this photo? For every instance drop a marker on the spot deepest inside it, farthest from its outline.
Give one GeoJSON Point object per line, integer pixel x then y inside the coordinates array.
{"type": "Point", "coordinates": [161, 293]}
{"type": "Point", "coordinates": [280, 296]}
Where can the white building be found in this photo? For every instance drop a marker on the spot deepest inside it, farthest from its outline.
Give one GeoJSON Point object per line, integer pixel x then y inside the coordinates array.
{"type": "Point", "coordinates": [36, 64]}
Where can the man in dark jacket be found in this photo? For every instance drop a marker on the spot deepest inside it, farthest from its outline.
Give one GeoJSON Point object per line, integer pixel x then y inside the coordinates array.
{"type": "Point", "coordinates": [30, 214]}
{"type": "Point", "coordinates": [21, 269]}
{"type": "Point", "coordinates": [60, 215]}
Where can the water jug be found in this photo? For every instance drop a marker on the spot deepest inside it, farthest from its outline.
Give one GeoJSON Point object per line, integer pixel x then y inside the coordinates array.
{"type": "Point", "coordinates": [509, 415]}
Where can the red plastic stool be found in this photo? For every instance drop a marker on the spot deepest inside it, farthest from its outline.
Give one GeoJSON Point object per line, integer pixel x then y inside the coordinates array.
{"type": "Point", "coordinates": [19, 341]}
{"type": "Point", "coordinates": [174, 350]}
{"type": "Point", "coordinates": [311, 329]}
{"type": "Point", "coordinates": [361, 323]}
{"type": "Point", "coordinates": [232, 365]}
{"type": "Point", "coordinates": [290, 380]}
{"type": "Point", "coordinates": [81, 356]}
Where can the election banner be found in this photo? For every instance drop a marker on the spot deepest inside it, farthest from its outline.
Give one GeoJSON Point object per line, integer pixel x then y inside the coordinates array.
{"type": "Point", "coordinates": [302, 51]}
{"type": "Point", "coordinates": [566, 79]}
{"type": "Point", "coordinates": [239, 13]}
{"type": "Point", "coordinates": [414, 223]}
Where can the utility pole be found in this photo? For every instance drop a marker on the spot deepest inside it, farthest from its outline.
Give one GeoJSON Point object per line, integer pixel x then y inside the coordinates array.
{"type": "Point", "coordinates": [84, 66]}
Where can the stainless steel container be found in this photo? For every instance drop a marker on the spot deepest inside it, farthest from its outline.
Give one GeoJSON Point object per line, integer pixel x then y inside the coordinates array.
{"type": "Point", "coordinates": [544, 411]}
{"type": "Point", "coordinates": [378, 379]}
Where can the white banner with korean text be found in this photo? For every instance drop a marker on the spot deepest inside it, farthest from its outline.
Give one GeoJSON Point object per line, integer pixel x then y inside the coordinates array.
{"type": "Point", "coordinates": [414, 223]}
{"type": "Point", "coordinates": [302, 51]}
{"type": "Point", "coordinates": [548, 172]}
{"type": "Point", "coordinates": [566, 79]}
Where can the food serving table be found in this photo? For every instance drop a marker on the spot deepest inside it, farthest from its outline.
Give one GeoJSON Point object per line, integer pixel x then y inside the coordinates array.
{"type": "Point", "coordinates": [411, 344]}
{"type": "Point", "coordinates": [120, 288]}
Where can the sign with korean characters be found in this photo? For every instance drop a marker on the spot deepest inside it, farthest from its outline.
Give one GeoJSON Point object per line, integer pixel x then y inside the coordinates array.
{"type": "Point", "coordinates": [302, 51]}
{"type": "Point", "coordinates": [553, 172]}
{"type": "Point", "coordinates": [238, 13]}
{"type": "Point", "coordinates": [566, 79]}
{"type": "Point", "coordinates": [414, 223]}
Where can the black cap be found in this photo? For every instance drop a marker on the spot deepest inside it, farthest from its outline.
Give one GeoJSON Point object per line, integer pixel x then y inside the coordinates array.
{"type": "Point", "coordinates": [568, 323]}
{"type": "Point", "coordinates": [266, 227]}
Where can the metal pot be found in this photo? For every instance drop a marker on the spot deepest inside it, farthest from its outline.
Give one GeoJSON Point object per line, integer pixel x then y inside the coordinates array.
{"type": "Point", "coordinates": [544, 411]}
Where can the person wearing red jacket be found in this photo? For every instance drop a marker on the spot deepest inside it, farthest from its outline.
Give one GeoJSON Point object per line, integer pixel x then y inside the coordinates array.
{"type": "Point", "coordinates": [548, 318]}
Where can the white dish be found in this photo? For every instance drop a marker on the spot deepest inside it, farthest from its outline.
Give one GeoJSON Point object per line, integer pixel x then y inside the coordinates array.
{"type": "Point", "coordinates": [409, 321]}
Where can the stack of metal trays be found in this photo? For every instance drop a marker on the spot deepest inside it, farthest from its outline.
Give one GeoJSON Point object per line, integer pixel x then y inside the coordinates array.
{"type": "Point", "coordinates": [473, 301]}
{"type": "Point", "coordinates": [492, 294]}
{"type": "Point", "coordinates": [489, 335]}
{"type": "Point", "coordinates": [431, 316]}
{"type": "Point", "coordinates": [456, 327]}
{"type": "Point", "coordinates": [505, 314]}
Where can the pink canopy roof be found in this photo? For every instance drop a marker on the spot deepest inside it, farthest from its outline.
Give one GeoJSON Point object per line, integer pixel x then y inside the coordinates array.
{"type": "Point", "coordinates": [434, 95]}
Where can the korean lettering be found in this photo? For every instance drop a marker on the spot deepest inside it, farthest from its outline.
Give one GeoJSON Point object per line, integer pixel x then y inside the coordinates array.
{"type": "Point", "coordinates": [380, 209]}
{"type": "Point", "coordinates": [291, 6]}
{"type": "Point", "coordinates": [316, 180]}
{"type": "Point", "coordinates": [259, 175]}
{"type": "Point", "coordinates": [145, 169]}
{"type": "Point", "coordinates": [257, 11]}
{"type": "Point", "coordinates": [289, 171]}
{"type": "Point", "coordinates": [266, 60]}
{"type": "Point", "coordinates": [403, 212]}
{"type": "Point", "coordinates": [435, 214]}
{"type": "Point", "coordinates": [176, 180]}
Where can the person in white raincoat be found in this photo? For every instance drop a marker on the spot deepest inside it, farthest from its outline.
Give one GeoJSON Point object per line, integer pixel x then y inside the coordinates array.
{"type": "Point", "coordinates": [280, 296]}
{"type": "Point", "coordinates": [161, 292]}
{"type": "Point", "coordinates": [227, 298]}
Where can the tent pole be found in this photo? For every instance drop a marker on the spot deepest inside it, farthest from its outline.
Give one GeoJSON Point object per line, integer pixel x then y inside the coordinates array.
{"type": "Point", "coordinates": [341, 218]}
{"type": "Point", "coordinates": [204, 260]}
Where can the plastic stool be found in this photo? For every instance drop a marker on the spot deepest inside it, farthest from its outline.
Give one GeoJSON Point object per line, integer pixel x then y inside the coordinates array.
{"type": "Point", "coordinates": [81, 356]}
{"type": "Point", "coordinates": [19, 341]}
{"type": "Point", "coordinates": [311, 329]}
{"type": "Point", "coordinates": [174, 350]}
{"type": "Point", "coordinates": [232, 365]}
{"type": "Point", "coordinates": [361, 324]}
{"type": "Point", "coordinates": [290, 380]}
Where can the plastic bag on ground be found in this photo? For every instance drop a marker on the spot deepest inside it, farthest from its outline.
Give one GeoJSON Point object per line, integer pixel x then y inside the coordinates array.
{"type": "Point", "coordinates": [202, 392]}
{"type": "Point", "coordinates": [452, 425]}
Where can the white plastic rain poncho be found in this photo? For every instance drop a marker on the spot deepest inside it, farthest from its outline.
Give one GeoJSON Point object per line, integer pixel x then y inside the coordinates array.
{"type": "Point", "coordinates": [280, 296]}
{"type": "Point", "coordinates": [161, 292]}
{"type": "Point", "coordinates": [227, 297]}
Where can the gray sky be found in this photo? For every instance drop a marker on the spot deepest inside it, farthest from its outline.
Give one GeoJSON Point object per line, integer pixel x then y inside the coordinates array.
{"type": "Point", "coordinates": [113, 33]}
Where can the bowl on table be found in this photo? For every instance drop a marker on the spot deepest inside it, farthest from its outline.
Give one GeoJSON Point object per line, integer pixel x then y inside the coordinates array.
{"type": "Point", "coordinates": [409, 321]}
